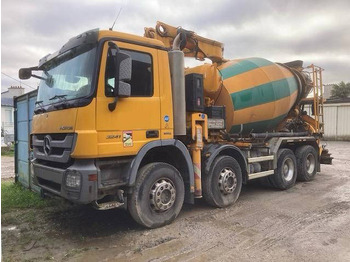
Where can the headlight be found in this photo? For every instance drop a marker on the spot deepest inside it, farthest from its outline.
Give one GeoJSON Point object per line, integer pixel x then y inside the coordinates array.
{"type": "Point", "coordinates": [73, 178]}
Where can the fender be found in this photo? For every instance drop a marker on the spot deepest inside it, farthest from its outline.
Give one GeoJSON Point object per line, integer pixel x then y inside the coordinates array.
{"type": "Point", "coordinates": [216, 149]}
{"type": "Point", "coordinates": [135, 164]}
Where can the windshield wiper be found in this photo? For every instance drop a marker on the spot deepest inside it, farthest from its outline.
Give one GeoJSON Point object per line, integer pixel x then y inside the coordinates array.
{"type": "Point", "coordinates": [40, 104]}
{"type": "Point", "coordinates": [60, 97]}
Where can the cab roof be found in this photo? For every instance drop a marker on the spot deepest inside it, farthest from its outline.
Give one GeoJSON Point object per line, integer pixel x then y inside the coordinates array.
{"type": "Point", "coordinates": [95, 35]}
{"type": "Point", "coordinates": [125, 37]}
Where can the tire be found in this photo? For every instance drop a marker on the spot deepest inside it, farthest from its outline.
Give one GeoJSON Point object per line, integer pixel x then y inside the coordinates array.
{"type": "Point", "coordinates": [286, 173]}
{"type": "Point", "coordinates": [264, 181]}
{"type": "Point", "coordinates": [158, 195]}
{"type": "Point", "coordinates": [223, 184]}
{"type": "Point", "coordinates": [307, 160]}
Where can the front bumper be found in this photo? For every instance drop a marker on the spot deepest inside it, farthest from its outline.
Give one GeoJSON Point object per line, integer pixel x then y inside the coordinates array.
{"type": "Point", "coordinates": [53, 179]}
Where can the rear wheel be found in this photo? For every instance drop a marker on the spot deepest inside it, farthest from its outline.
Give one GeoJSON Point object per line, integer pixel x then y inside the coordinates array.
{"type": "Point", "coordinates": [222, 185]}
{"type": "Point", "coordinates": [286, 172]}
{"type": "Point", "coordinates": [307, 162]}
{"type": "Point", "coordinates": [158, 195]}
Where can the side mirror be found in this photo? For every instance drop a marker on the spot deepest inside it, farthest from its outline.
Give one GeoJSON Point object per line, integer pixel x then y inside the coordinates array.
{"type": "Point", "coordinates": [122, 65]}
{"type": "Point", "coordinates": [25, 73]}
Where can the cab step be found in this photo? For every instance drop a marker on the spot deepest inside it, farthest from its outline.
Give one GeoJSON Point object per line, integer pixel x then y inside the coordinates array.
{"type": "Point", "coordinates": [260, 174]}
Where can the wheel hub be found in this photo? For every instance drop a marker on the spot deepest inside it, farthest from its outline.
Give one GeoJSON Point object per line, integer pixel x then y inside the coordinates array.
{"type": "Point", "coordinates": [162, 195]}
{"type": "Point", "coordinates": [288, 169]}
{"type": "Point", "coordinates": [227, 181]}
{"type": "Point", "coordinates": [310, 163]}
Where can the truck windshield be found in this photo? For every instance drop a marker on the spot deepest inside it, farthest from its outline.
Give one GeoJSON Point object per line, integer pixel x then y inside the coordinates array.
{"type": "Point", "coordinates": [67, 77]}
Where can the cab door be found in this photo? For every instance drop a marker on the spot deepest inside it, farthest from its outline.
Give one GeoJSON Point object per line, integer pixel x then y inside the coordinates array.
{"type": "Point", "coordinates": [136, 119]}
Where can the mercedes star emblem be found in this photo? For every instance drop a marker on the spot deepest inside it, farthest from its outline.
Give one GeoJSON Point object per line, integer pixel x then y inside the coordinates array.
{"type": "Point", "coordinates": [47, 145]}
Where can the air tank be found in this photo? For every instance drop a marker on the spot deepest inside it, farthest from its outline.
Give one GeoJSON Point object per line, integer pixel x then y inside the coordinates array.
{"type": "Point", "coordinates": [257, 93]}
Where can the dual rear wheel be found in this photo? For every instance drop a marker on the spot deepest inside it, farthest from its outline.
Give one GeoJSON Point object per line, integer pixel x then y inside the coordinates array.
{"type": "Point", "coordinates": [300, 166]}
{"type": "Point", "coordinates": [307, 162]}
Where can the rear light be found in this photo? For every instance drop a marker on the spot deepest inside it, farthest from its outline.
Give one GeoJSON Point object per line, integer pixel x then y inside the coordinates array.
{"type": "Point", "coordinates": [93, 177]}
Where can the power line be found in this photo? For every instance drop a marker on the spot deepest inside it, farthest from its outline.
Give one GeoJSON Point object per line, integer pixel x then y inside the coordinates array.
{"type": "Point", "coordinates": [17, 80]}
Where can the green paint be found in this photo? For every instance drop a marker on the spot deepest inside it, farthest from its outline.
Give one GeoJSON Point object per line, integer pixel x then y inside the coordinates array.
{"type": "Point", "coordinates": [265, 93]}
{"type": "Point", "coordinates": [259, 126]}
{"type": "Point", "coordinates": [244, 66]}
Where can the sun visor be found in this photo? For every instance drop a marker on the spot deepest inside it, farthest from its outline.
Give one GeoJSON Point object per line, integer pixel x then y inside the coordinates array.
{"type": "Point", "coordinates": [88, 38]}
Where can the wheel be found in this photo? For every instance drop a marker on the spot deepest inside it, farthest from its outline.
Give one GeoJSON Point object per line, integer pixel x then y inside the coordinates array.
{"type": "Point", "coordinates": [158, 195]}
{"type": "Point", "coordinates": [306, 162]}
{"type": "Point", "coordinates": [286, 172]}
{"type": "Point", "coordinates": [264, 181]}
{"type": "Point", "coordinates": [223, 184]}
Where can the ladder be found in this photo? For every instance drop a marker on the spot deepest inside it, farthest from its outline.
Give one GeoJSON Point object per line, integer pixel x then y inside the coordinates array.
{"type": "Point", "coordinates": [318, 100]}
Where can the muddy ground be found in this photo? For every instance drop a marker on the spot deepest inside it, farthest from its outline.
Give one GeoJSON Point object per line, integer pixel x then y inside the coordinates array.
{"type": "Point", "coordinates": [310, 222]}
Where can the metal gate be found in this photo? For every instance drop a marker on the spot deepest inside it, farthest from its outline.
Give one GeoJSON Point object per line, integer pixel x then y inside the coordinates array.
{"type": "Point", "coordinates": [24, 110]}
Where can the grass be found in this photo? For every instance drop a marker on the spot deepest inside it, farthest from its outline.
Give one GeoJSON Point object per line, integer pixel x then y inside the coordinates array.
{"type": "Point", "coordinates": [14, 196]}
{"type": "Point", "coordinates": [8, 151]}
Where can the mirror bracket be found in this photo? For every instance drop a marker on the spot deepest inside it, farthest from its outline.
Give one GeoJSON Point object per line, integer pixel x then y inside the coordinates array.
{"type": "Point", "coordinates": [112, 105]}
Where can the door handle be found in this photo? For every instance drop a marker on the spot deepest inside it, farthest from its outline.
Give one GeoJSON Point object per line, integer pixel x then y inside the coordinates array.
{"type": "Point", "coordinates": [152, 133]}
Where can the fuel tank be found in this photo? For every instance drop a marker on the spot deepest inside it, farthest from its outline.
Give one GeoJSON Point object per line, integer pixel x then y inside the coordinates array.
{"type": "Point", "coordinates": [257, 93]}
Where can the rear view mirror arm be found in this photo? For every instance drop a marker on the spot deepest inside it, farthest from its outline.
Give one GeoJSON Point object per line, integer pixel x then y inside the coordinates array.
{"type": "Point", "coordinates": [26, 73]}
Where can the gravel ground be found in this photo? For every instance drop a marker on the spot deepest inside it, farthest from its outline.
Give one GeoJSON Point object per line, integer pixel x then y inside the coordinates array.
{"type": "Point", "coordinates": [309, 222]}
{"type": "Point", "coordinates": [7, 167]}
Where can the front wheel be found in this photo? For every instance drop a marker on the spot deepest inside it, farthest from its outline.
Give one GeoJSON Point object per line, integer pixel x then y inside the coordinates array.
{"type": "Point", "coordinates": [223, 184]}
{"type": "Point", "coordinates": [158, 195]}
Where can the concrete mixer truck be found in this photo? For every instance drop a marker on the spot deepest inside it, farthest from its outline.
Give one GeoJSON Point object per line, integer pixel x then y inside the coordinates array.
{"type": "Point", "coordinates": [120, 122]}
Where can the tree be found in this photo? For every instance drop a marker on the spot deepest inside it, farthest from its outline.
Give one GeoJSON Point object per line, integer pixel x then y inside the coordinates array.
{"type": "Point", "coordinates": [340, 90]}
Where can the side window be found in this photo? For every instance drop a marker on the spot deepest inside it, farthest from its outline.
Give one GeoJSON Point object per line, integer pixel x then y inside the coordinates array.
{"type": "Point", "coordinates": [141, 78]}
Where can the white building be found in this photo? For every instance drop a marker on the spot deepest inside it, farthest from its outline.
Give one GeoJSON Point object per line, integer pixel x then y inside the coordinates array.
{"type": "Point", "coordinates": [7, 110]}
{"type": "Point", "coordinates": [327, 91]}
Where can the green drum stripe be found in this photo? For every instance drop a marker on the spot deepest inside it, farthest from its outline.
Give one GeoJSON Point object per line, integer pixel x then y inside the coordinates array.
{"type": "Point", "coordinates": [265, 93]}
{"type": "Point", "coordinates": [244, 66]}
{"type": "Point", "coordinates": [259, 126]}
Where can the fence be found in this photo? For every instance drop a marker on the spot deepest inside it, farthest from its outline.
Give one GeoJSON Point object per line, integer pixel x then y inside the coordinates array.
{"type": "Point", "coordinates": [24, 109]}
{"type": "Point", "coordinates": [336, 121]}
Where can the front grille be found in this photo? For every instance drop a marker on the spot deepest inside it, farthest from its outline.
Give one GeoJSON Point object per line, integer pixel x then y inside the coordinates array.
{"type": "Point", "coordinates": [53, 147]}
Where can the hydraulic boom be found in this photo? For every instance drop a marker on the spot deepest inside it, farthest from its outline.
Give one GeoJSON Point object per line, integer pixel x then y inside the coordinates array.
{"type": "Point", "coordinates": [191, 44]}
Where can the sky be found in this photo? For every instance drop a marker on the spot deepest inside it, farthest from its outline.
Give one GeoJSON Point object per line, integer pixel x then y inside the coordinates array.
{"type": "Point", "coordinates": [316, 32]}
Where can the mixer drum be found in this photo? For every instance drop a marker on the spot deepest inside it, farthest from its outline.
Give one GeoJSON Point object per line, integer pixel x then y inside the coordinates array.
{"type": "Point", "coordinates": [257, 93]}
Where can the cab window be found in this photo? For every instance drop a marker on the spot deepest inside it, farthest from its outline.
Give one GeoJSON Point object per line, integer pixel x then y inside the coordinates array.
{"type": "Point", "coordinates": [141, 78]}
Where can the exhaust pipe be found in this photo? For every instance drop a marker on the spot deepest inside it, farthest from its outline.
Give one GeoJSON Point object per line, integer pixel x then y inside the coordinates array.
{"type": "Point", "coordinates": [177, 70]}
